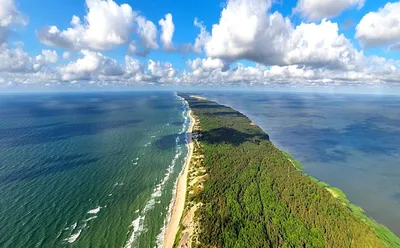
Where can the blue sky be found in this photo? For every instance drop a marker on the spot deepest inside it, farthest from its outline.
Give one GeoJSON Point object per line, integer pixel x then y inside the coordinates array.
{"type": "Point", "coordinates": [59, 13]}
{"type": "Point", "coordinates": [304, 42]}
{"type": "Point", "coordinates": [184, 12]}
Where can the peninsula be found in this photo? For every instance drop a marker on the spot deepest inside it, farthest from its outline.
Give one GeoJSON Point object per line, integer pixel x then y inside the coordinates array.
{"type": "Point", "coordinates": [242, 191]}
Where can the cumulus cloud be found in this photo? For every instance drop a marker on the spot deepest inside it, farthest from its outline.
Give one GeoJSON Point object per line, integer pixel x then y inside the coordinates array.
{"type": "Point", "coordinates": [92, 65]}
{"type": "Point", "coordinates": [207, 64]}
{"type": "Point", "coordinates": [317, 10]}
{"type": "Point", "coordinates": [247, 31]}
{"type": "Point", "coordinates": [9, 15]}
{"type": "Point", "coordinates": [66, 55]}
{"type": "Point", "coordinates": [147, 32]}
{"type": "Point", "coordinates": [321, 45]}
{"type": "Point", "coordinates": [133, 66]}
{"type": "Point", "coordinates": [202, 38]}
{"type": "Point", "coordinates": [14, 60]}
{"type": "Point", "coordinates": [164, 71]}
{"type": "Point", "coordinates": [380, 28]}
{"type": "Point", "coordinates": [16, 66]}
{"type": "Point", "coordinates": [47, 57]}
{"type": "Point", "coordinates": [105, 26]}
{"type": "Point", "coordinates": [377, 70]}
{"type": "Point", "coordinates": [168, 29]}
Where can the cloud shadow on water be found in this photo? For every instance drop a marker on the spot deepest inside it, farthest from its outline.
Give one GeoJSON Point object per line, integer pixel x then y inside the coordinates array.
{"type": "Point", "coordinates": [48, 166]}
{"type": "Point", "coordinates": [16, 137]}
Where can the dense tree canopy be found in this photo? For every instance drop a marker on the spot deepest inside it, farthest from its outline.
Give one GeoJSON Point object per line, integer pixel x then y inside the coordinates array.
{"type": "Point", "coordinates": [255, 197]}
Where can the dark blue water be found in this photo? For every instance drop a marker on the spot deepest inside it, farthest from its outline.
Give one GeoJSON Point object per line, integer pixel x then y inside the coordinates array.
{"type": "Point", "coordinates": [350, 141]}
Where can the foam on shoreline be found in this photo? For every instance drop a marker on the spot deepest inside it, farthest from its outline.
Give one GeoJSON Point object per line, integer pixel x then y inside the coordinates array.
{"type": "Point", "coordinates": [167, 236]}
{"type": "Point", "coordinates": [138, 224]}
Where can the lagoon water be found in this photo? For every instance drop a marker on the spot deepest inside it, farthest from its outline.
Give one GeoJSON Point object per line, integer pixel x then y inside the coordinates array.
{"type": "Point", "coordinates": [89, 169]}
{"type": "Point", "coordinates": [350, 141]}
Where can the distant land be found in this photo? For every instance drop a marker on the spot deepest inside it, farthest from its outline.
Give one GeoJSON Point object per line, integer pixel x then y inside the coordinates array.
{"type": "Point", "coordinates": [244, 192]}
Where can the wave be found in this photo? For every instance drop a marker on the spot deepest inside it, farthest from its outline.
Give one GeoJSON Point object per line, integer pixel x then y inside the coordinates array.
{"type": "Point", "coordinates": [138, 224]}
{"type": "Point", "coordinates": [137, 229]}
{"type": "Point", "coordinates": [71, 239]}
{"type": "Point", "coordinates": [75, 234]}
{"type": "Point", "coordinates": [95, 210]}
{"type": "Point", "coordinates": [160, 237]}
{"type": "Point", "coordinates": [91, 218]}
{"type": "Point", "coordinates": [76, 230]}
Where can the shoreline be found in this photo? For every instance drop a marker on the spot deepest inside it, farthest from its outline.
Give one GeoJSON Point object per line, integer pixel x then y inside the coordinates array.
{"type": "Point", "coordinates": [180, 194]}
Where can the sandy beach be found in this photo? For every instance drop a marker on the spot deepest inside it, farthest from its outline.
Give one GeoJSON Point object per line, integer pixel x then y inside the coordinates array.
{"type": "Point", "coordinates": [180, 196]}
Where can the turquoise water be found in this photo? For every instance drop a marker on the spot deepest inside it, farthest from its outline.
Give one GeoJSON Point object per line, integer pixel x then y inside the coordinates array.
{"type": "Point", "coordinates": [350, 141]}
{"type": "Point", "coordinates": [89, 169]}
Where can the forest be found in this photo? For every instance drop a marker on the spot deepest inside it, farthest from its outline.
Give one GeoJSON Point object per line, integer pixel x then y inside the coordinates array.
{"type": "Point", "coordinates": [258, 196]}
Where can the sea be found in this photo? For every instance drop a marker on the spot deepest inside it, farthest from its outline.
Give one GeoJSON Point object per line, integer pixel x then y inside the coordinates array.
{"type": "Point", "coordinates": [89, 169]}
{"type": "Point", "coordinates": [350, 141]}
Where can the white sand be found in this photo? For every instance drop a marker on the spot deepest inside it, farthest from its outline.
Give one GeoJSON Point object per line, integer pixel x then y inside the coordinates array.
{"type": "Point", "coordinates": [179, 203]}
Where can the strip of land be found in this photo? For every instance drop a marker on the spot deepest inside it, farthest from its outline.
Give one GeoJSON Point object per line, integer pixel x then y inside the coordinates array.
{"type": "Point", "coordinates": [180, 195]}
{"type": "Point", "coordinates": [242, 191]}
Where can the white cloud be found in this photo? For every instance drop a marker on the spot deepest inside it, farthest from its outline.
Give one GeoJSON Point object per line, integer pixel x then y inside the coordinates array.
{"type": "Point", "coordinates": [106, 25]}
{"type": "Point", "coordinates": [66, 55]}
{"type": "Point", "coordinates": [16, 66]}
{"type": "Point", "coordinates": [321, 45]}
{"type": "Point", "coordinates": [147, 32]}
{"type": "Point", "coordinates": [377, 70]}
{"type": "Point", "coordinates": [164, 71]}
{"type": "Point", "coordinates": [14, 60]}
{"type": "Point", "coordinates": [168, 29]}
{"type": "Point", "coordinates": [380, 28]}
{"type": "Point", "coordinates": [202, 38]}
{"type": "Point", "coordinates": [92, 65]}
{"type": "Point", "coordinates": [319, 9]}
{"type": "Point", "coordinates": [247, 31]}
{"type": "Point", "coordinates": [9, 15]}
{"type": "Point", "coordinates": [207, 64]}
{"type": "Point", "coordinates": [133, 66]}
{"type": "Point", "coordinates": [47, 57]}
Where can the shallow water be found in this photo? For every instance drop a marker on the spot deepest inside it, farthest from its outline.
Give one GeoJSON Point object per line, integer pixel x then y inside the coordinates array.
{"type": "Point", "coordinates": [350, 141]}
{"type": "Point", "coordinates": [88, 169]}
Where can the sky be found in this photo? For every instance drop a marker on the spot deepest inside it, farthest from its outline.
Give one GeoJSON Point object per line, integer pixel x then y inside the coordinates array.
{"type": "Point", "coordinates": [208, 43]}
